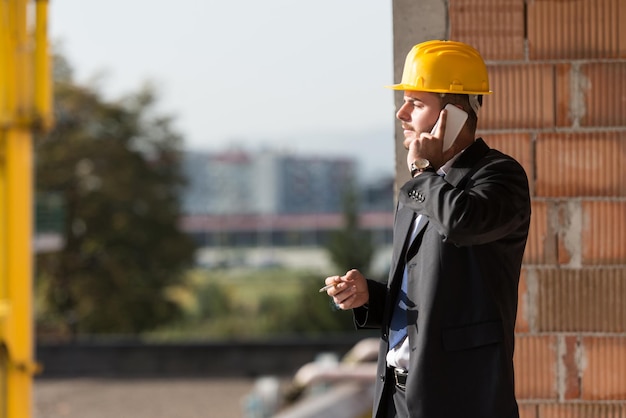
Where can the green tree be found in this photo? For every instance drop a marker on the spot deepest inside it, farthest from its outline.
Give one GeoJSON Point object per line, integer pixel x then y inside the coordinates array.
{"type": "Point", "coordinates": [115, 167]}
{"type": "Point", "coordinates": [351, 247]}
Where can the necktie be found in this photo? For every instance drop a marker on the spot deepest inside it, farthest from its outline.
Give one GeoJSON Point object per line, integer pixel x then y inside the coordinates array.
{"type": "Point", "coordinates": [398, 325]}
{"type": "Point", "coordinates": [397, 328]}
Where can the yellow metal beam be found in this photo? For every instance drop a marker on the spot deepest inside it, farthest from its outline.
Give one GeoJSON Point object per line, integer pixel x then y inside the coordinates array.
{"type": "Point", "coordinates": [18, 213]}
{"type": "Point", "coordinates": [25, 104]}
{"type": "Point", "coordinates": [43, 73]}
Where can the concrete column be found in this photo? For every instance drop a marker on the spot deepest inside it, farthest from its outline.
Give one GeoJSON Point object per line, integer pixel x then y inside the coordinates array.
{"type": "Point", "coordinates": [414, 21]}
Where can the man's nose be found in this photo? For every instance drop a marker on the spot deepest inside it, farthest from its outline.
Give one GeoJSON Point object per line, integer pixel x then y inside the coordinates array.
{"type": "Point", "coordinates": [402, 113]}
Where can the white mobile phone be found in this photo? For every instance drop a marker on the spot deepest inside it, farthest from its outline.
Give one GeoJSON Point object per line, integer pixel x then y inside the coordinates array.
{"type": "Point", "coordinates": [454, 123]}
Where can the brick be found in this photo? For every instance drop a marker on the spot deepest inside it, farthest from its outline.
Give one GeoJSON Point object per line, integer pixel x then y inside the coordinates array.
{"type": "Point", "coordinates": [604, 368]}
{"type": "Point", "coordinates": [523, 97]}
{"type": "Point", "coordinates": [603, 232]}
{"type": "Point", "coordinates": [580, 164]}
{"type": "Point", "coordinates": [535, 362]}
{"type": "Point", "coordinates": [591, 94]}
{"type": "Point", "coordinates": [494, 27]}
{"type": "Point", "coordinates": [541, 246]}
{"type": "Point", "coordinates": [581, 410]}
{"type": "Point", "coordinates": [569, 97]}
{"type": "Point", "coordinates": [569, 370]}
{"type": "Point", "coordinates": [580, 300]}
{"type": "Point", "coordinates": [604, 92]}
{"type": "Point", "coordinates": [568, 224]}
{"type": "Point", "coordinates": [527, 410]}
{"type": "Point", "coordinates": [575, 29]}
{"type": "Point", "coordinates": [521, 323]}
{"type": "Point", "coordinates": [622, 31]}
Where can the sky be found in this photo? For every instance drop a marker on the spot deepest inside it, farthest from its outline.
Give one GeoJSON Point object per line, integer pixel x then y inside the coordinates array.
{"type": "Point", "coordinates": [303, 77]}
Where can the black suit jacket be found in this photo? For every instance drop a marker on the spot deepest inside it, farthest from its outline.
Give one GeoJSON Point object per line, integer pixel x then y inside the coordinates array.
{"type": "Point", "coordinates": [463, 274]}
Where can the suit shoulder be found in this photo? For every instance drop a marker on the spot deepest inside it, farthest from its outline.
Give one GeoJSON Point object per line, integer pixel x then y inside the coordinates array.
{"type": "Point", "coordinates": [495, 156]}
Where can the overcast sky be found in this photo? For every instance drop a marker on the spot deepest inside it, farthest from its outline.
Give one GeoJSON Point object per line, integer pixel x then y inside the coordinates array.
{"type": "Point", "coordinates": [300, 76]}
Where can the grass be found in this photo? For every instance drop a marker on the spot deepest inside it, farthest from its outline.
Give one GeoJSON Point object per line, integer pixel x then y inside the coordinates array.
{"type": "Point", "coordinates": [236, 304]}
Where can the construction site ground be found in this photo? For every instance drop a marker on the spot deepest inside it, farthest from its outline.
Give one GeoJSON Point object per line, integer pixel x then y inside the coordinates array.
{"type": "Point", "coordinates": [140, 398]}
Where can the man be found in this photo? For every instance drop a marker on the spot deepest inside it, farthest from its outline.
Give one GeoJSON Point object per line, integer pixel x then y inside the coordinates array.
{"type": "Point", "coordinates": [447, 312]}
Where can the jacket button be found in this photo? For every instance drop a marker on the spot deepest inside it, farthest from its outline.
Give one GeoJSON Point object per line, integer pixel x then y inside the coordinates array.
{"type": "Point", "coordinates": [382, 377]}
{"type": "Point", "coordinates": [415, 195]}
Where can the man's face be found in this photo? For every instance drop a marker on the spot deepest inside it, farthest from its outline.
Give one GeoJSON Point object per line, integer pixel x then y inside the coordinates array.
{"type": "Point", "coordinates": [418, 114]}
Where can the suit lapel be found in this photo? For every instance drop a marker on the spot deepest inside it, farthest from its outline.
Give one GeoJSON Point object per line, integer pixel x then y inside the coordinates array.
{"type": "Point", "coordinates": [404, 226]}
{"type": "Point", "coordinates": [418, 237]}
{"type": "Point", "coordinates": [404, 219]}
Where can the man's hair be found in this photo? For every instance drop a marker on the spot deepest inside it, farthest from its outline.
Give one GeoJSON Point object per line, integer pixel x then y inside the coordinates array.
{"type": "Point", "coordinates": [463, 100]}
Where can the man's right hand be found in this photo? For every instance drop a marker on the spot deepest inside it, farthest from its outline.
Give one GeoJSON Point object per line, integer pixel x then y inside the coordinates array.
{"type": "Point", "coordinates": [349, 291]}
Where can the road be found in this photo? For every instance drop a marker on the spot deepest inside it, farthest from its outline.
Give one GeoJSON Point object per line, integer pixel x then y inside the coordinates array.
{"type": "Point", "coordinates": [140, 398]}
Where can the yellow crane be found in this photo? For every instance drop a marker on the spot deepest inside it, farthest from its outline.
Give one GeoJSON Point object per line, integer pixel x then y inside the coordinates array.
{"type": "Point", "coordinates": [25, 106]}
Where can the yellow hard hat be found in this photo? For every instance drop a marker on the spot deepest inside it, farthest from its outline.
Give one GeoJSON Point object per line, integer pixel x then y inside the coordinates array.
{"type": "Point", "coordinates": [444, 67]}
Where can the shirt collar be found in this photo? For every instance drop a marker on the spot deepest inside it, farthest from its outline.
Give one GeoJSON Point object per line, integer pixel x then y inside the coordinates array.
{"type": "Point", "coordinates": [443, 170]}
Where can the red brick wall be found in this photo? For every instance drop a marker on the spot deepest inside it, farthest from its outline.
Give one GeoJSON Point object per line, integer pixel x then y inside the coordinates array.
{"type": "Point", "coordinates": [558, 73]}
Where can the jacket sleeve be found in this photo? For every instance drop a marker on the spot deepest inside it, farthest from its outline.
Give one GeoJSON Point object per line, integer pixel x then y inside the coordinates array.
{"type": "Point", "coordinates": [489, 204]}
{"type": "Point", "coordinates": [371, 315]}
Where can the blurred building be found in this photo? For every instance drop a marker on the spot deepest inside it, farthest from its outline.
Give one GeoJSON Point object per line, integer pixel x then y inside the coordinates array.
{"type": "Point", "coordinates": [268, 208]}
{"type": "Point", "coordinates": [240, 182]}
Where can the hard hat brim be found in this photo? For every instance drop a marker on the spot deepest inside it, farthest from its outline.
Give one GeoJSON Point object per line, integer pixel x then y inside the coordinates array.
{"type": "Point", "coordinates": [408, 87]}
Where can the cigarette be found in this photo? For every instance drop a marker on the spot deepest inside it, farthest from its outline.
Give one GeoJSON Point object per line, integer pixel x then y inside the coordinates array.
{"type": "Point", "coordinates": [328, 286]}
